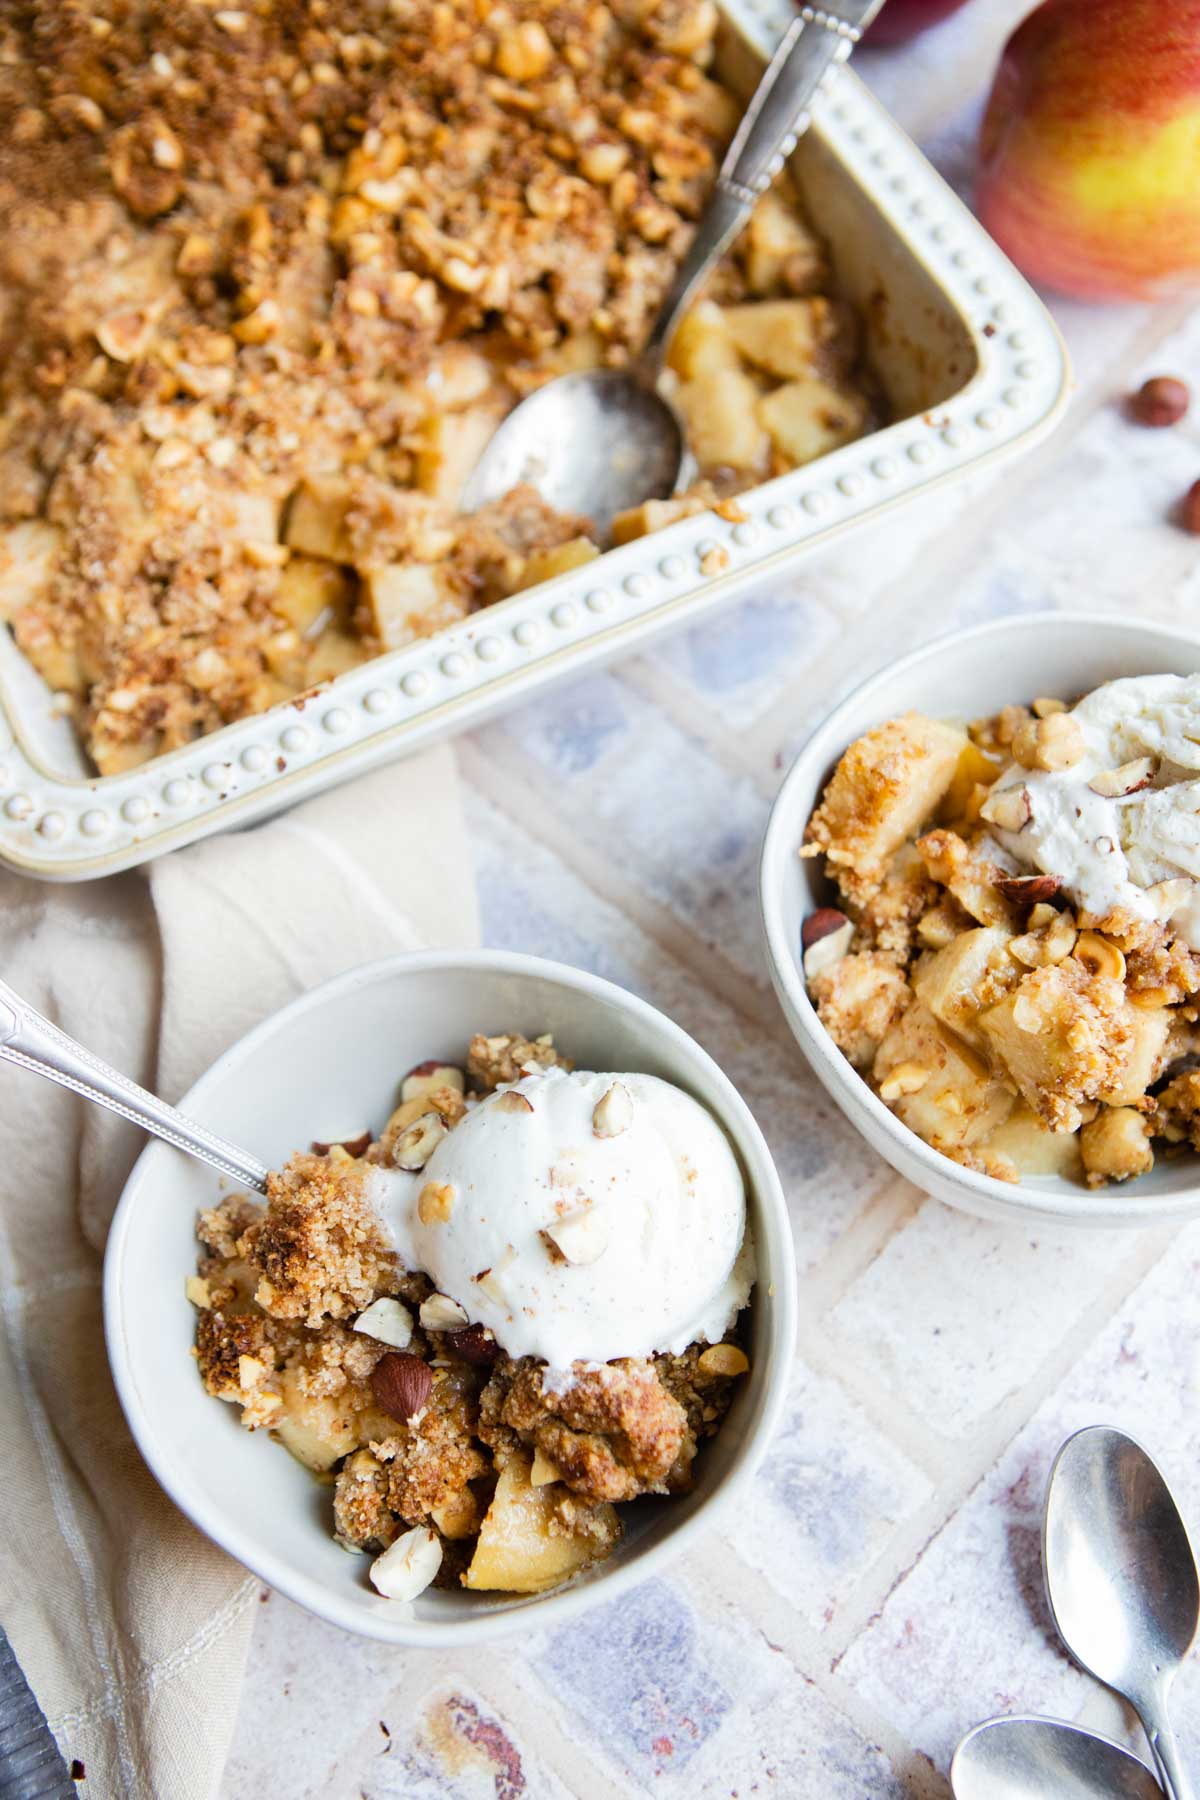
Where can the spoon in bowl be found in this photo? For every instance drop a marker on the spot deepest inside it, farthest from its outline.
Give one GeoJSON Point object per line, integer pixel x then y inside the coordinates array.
{"type": "Point", "coordinates": [1027, 1758]}
{"type": "Point", "coordinates": [601, 441]}
{"type": "Point", "coordinates": [28, 1039]}
{"type": "Point", "coordinates": [1121, 1579]}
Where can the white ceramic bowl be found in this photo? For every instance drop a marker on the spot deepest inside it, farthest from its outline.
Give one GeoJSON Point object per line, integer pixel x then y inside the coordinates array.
{"type": "Point", "coordinates": [965, 676]}
{"type": "Point", "coordinates": [323, 1067]}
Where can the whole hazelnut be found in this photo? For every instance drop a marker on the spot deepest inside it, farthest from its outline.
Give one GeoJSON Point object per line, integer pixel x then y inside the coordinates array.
{"type": "Point", "coordinates": [820, 924]}
{"type": "Point", "coordinates": [1163, 400]}
{"type": "Point", "coordinates": [1189, 509]}
{"type": "Point", "coordinates": [401, 1384]}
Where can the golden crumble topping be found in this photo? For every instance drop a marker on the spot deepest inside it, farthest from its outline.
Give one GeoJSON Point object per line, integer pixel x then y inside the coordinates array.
{"type": "Point", "coordinates": [271, 274]}
{"type": "Point", "coordinates": [494, 1060]}
{"type": "Point", "coordinates": [306, 1322]}
{"type": "Point", "coordinates": [615, 1432]}
{"type": "Point", "coordinates": [1013, 1032]}
{"type": "Point", "coordinates": [319, 1246]}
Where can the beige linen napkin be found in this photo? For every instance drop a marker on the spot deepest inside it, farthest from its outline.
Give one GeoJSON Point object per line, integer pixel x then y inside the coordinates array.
{"type": "Point", "coordinates": [131, 1627]}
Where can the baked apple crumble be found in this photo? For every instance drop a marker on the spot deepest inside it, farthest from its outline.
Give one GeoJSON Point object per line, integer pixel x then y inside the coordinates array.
{"type": "Point", "coordinates": [272, 274]}
{"type": "Point", "coordinates": [1014, 965]}
{"type": "Point", "coordinates": [514, 1310]}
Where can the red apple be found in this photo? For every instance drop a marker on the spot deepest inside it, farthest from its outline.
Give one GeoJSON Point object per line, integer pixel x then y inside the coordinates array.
{"type": "Point", "coordinates": [902, 19]}
{"type": "Point", "coordinates": [1089, 170]}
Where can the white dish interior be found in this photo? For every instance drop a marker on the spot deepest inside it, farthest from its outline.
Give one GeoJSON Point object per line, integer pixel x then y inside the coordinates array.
{"type": "Point", "coordinates": [962, 677]}
{"type": "Point", "coordinates": [325, 1067]}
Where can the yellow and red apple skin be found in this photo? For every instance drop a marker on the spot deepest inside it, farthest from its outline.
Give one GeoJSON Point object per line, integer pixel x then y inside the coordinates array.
{"type": "Point", "coordinates": [1089, 171]}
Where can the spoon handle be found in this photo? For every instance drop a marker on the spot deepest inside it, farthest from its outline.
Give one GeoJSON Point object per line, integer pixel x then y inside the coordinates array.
{"type": "Point", "coordinates": [1165, 1748]}
{"type": "Point", "coordinates": [777, 114]}
{"type": "Point", "coordinates": [28, 1039]}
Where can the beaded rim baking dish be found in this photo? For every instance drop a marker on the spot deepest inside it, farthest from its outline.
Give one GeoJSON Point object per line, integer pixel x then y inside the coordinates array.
{"type": "Point", "coordinates": [73, 827]}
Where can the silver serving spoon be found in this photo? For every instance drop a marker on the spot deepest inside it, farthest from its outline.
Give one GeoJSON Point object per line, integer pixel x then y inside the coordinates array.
{"type": "Point", "coordinates": [28, 1039]}
{"type": "Point", "coordinates": [604, 440]}
{"type": "Point", "coordinates": [1043, 1759]}
{"type": "Point", "coordinates": [1121, 1579]}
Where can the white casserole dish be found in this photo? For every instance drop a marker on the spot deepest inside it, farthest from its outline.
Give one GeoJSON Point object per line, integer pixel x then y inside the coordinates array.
{"type": "Point", "coordinates": [973, 368]}
{"type": "Point", "coordinates": [968, 675]}
{"type": "Point", "coordinates": [331, 1062]}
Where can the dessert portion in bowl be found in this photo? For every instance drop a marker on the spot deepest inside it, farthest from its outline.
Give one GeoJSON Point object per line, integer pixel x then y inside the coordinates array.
{"type": "Point", "coordinates": [1014, 962]}
{"type": "Point", "coordinates": [272, 276]}
{"type": "Point", "coordinates": [514, 1310]}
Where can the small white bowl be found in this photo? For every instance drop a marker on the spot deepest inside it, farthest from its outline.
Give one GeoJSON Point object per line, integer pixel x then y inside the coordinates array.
{"type": "Point", "coordinates": [325, 1067]}
{"type": "Point", "coordinates": [961, 677]}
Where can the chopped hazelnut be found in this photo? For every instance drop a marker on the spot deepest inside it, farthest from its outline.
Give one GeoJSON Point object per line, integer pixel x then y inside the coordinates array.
{"type": "Point", "coordinates": [1116, 1145]}
{"type": "Point", "coordinates": [613, 1112]}
{"type": "Point", "coordinates": [524, 51]}
{"type": "Point", "coordinates": [726, 1360]}
{"type": "Point", "coordinates": [1113, 783]}
{"type": "Point", "coordinates": [1100, 955]}
{"type": "Point", "coordinates": [905, 1078]}
{"type": "Point", "coordinates": [1053, 743]}
{"type": "Point", "coordinates": [441, 1313]}
{"type": "Point", "coordinates": [435, 1203]}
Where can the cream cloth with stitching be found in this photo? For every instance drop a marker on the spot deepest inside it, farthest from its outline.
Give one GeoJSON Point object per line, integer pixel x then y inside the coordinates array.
{"type": "Point", "coordinates": [132, 1628]}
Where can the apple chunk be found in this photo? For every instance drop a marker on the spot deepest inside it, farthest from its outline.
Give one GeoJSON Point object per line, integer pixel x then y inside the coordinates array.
{"type": "Point", "coordinates": [29, 554]}
{"type": "Point", "coordinates": [719, 409]}
{"type": "Point", "coordinates": [808, 418]}
{"type": "Point", "coordinates": [451, 445]}
{"type": "Point", "coordinates": [312, 592]}
{"type": "Point", "coordinates": [316, 520]}
{"type": "Point", "coordinates": [1144, 1057]}
{"type": "Point", "coordinates": [971, 972]}
{"type": "Point", "coordinates": [314, 1427]}
{"type": "Point", "coordinates": [886, 785]}
{"type": "Point", "coordinates": [524, 1545]}
{"type": "Point", "coordinates": [940, 1089]}
{"type": "Point", "coordinates": [1033, 1149]}
{"type": "Point", "coordinates": [779, 252]}
{"type": "Point", "coordinates": [544, 565]}
{"type": "Point", "coordinates": [702, 343]}
{"type": "Point", "coordinates": [409, 600]}
{"type": "Point", "coordinates": [782, 336]}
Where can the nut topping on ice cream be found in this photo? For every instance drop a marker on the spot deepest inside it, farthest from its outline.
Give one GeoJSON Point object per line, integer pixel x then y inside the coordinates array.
{"type": "Point", "coordinates": [1123, 819]}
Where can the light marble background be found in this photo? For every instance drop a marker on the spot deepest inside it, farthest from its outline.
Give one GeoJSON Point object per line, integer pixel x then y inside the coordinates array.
{"type": "Point", "coordinates": [881, 1593]}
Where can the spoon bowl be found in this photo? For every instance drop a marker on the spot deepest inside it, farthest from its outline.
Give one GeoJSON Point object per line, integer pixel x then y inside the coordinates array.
{"type": "Point", "coordinates": [1121, 1577]}
{"type": "Point", "coordinates": [1028, 1758]}
{"type": "Point", "coordinates": [597, 442]}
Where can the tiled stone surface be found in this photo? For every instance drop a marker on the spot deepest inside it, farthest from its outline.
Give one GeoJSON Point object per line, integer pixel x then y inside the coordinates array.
{"type": "Point", "coordinates": [798, 1743]}
{"type": "Point", "coordinates": [879, 1591]}
{"type": "Point", "coordinates": [645, 796]}
{"type": "Point", "coordinates": [956, 1313]}
{"type": "Point", "coordinates": [454, 1747]}
{"type": "Point", "coordinates": [655, 1683]}
{"type": "Point", "coordinates": [966, 1633]}
{"type": "Point", "coordinates": [828, 1501]}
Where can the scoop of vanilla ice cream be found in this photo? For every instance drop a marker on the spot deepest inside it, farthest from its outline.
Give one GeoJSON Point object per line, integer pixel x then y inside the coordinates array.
{"type": "Point", "coordinates": [581, 1217]}
{"type": "Point", "coordinates": [1112, 850]}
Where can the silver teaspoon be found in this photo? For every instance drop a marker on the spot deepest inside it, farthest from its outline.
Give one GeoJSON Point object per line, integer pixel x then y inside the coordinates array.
{"type": "Point", "coordinates": [28, 1039]}
{"type": "Point", "coordinates": [1121, 1579]}
{"type": "Point", "coordinates": [1042, 1759]}
{"type": "Point", "coordinates": [604, 440]}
